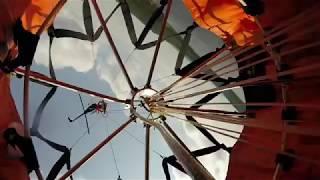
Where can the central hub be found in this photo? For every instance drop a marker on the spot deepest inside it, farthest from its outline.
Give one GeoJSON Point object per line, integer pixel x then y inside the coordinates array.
{"type": "Point", "coordinates": [141, 103]}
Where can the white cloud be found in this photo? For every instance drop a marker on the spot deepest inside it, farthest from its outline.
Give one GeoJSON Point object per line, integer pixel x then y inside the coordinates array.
{"type": "Point", "coordinates": [83, 56]}
{"type": "Point", "coordinates": [74, 53]}
{"type": "Point", "coordinates": [67, 52]}
{"type": "Point", "coordinates": [176, 174]}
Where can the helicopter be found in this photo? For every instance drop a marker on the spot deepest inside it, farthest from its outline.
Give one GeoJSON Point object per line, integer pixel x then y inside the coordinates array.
{"type": "Point", "coordinates": [99, 107]}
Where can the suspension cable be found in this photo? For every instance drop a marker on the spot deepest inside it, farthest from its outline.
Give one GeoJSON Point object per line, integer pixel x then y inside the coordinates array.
{"type": "Point", "coordinates": [243, 50]}
{"type": "Point", "coordinates": [141, 142]}
{"type": "Point", "coordinates": [259, 104]}
{"type": "Point", "coordinates": [263, 148]}
{"type": "Point", "coordinates": [129, 56]}
{"type": "Point", "coordinates": [112, 150]}
{"type": "Point", "coordinates": [253, 80]}
{"type": "Point", "coordinates": [306, 30]}
{"type": "Point", "coordinates": [114, 158]}
{"type": "Point", "coordinates": [202, 124]}
{"type": "Point", "coordinates": [250, 122]}
{"type": "Point", "coordinates": [76, 142]}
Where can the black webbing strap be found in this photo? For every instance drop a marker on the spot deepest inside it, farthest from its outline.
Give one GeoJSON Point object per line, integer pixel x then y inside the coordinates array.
{"type": "Point", "coordinates": [64, 33]}
{"type": "Point", "coordinates": [87, 19]}
{"type": "Point", "coordinates": [194, 64]}
{"type": "Point", "coordinates": [100, 29]}
{"type": "Point", "coordinates": [172, 160]}
{"type": "Point", "coordinates": [155, 16]}
{"type": "Point", "coordinates": [167, 38]}
{"type": "Point", "coordinates": [205, 132]}
{"type": "Point", "coordinates": [150, 23]}
{"type": "Point", "coordinates": [65, 158]}
{"type": "Point", "coordinates": [184, 46]}
{"type": "Point", "coordinates": [128, 20]}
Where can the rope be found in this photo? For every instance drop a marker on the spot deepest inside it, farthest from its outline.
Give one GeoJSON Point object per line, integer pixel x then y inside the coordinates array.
{"type": "Point", "coordinates": [263, 148]}
{"type": "Point", "coordinates": [85, 115]}
{"type": "Point", "coordinates": [251, 81]}
{"type": "Point", "coordinates": [91, 127]}
{"type": "Point", "coordinates": [52, 14]}
{"type": "Point", "coordinates": [112, 150]}
{"type": "Point", "coordinates": [129, 56]}
{"type": "Point", "coordinates": [201, 125]}
{"type": "Point", "coordinates": [184, 47]}
{"type": "Point", "coordinates": [241, 51]}
{"type": "Point", "coordinates": [306, 30]}
{"type": "Point", "coordinates": [259, 104]}
{"type": "Point", "coordinates": [83, 134]}
{"type": "Point", "coordinates": [141, 142]}
{"type": "Point", "coordinates": [114, 159]}
{"type": "Point", "coordinates": [87, 19]}
{"type": "Point", "coordinates": [162, 78]}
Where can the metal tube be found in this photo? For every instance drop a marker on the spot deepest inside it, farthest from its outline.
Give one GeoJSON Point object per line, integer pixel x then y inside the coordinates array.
{"type": "Point", "coordinates": [176, 136]}
{"type": "Point", "coordinates": [259, 104]}
{"type": "Point", "coordinates": [113, 46]}
{"type": "Point", "coordinates": [156, 52]}
{"type": "Point", "coordinates": [52, 15]}
{"type": "Point", "coordinates": [192, 72]}
{"type": "Point", "coordinates": [46, 80]}
{"type": "Point", "coordinates": [95, 150]}
{"type": "Point", "coordinates": [213, 111]}
{"type": "Point", "coordinates": [235, 52]}
{"type": "Point", "coordinates": [26, 81]}
{"type": "Point", "coordinates": [147, 153]}
{"type": "Point", "coordinates": [255, 123]}
{"type": "Point", "coordinates": [192, 166]}
{"type": "Point", "coordinates": [254, 80]}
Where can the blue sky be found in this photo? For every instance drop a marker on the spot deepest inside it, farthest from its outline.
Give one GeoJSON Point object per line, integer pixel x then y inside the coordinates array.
{"type": "Point", "coordinates": [93, 66]}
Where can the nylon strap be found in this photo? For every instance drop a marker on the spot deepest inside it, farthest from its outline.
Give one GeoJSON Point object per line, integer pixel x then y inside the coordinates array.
{"type": "Point", "coordinates": [172, 160]}
{"type": "Point", "coordinates": [65, 158]}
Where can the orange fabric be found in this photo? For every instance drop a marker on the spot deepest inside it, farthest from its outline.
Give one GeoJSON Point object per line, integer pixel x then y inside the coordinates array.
{"type": "Point", "coordinates": [36, 13]}
{"type": "Point", "coordinates": [225, 18]}
{"type": "Point", "coordinates": [9, 169]}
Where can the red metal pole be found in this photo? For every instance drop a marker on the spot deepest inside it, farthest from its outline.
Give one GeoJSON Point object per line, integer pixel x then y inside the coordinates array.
{"type": "Point", "coordinates": [147, 153]}
{"type": "Point", "coordinates": [192, 72]}
{"type": "Point", "coordinates": [274, 33]}
{"type": "Point", "coordinates": [254, 80]}
{"type": "Point", "coordinates": [211, 111]}
{"type": "Point", "coordinates": [156, 52]}
{"type": "Point", "coordinates": [95, 150]}
{"type": "Point", "coordinates": [113, 46]}
{"type": "Point", "coordinates": [46, 80]}
{"type": "Point", "coordinates": [52, 14]}
{"type": "Point", "coordinates": [192, 166]}
{"type": "Point", "coordinates": [248, 122]}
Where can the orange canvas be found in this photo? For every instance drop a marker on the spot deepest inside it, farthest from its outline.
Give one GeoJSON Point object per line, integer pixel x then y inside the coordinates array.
{"type": "Point", "coordinates": [225, 18]}
{"type": "Point", "coordinates": [36, 13]}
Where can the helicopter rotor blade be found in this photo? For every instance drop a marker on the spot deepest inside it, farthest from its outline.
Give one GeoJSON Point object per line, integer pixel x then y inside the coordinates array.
{"type": "Point", "coordinates": [85, 115]}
